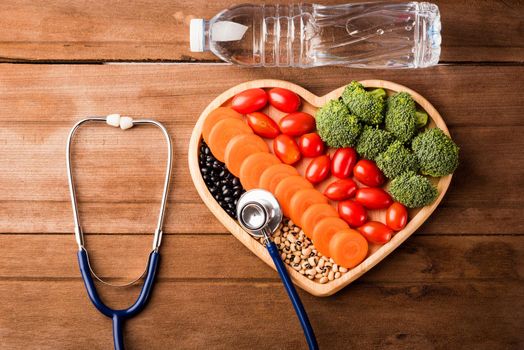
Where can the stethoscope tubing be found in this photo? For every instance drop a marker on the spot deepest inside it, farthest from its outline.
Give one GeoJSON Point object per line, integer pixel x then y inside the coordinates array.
{"type": "Point", "coordinates": [293, 295]}
{"type": "Point", "coordinates": [119, 316]}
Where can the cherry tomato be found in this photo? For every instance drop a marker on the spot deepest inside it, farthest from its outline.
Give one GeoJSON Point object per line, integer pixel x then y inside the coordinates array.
{"type": "Point", "coordinates": [318, 169]}
{"type": "Point", "coordinates": [311, 145]}
{"type": "Point", "coordinates": [376, 232]}
{"type": "Point", "coordinates": [396, 216]}
{"type": "Point", "coordinates": [297, 124]}
{"type": "Point", "coordinates": [284, 100]}
{"type": "Point", "coordinates": [352, 212]}
{"type": "Point", "coordinates": [263, 125]}
{"type": "Point", "coordinates": [343, 161]}
{"type": "Point", "coordinates": [341, 189]}
{"type": "Point", "coordinates": [373, 198]}
{"type": "Point", "coordinates": [249, 100]}
{"type": "Point", "coordinates": [367, 172]}
{"type": "Point", "coordinates": [286, 149]}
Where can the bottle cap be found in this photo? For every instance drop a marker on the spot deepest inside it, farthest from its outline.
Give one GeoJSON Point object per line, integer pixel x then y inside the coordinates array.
{"type": "Point", "coordinates": [196, 35]}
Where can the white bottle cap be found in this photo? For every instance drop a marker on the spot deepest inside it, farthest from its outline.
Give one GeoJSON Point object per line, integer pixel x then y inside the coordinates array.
{"type": "Point", "coordinates": [196, 35]}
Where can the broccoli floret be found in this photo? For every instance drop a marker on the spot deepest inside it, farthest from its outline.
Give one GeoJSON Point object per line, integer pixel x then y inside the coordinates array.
{"type": "Point", "coordinates": [402, 118]}
{"type": "Point", "coordinates": [336, 126]}
{"type": "Point", "coordinates": [396, 160]}
{"type": "Point", "coordinates": [373, 141]}
{"type": "Point", "coordinates": [368, 106]}
{"type": "Point", "coordinates": [437, 154]}
{"type": "Point", "coordinates": [413, 190]}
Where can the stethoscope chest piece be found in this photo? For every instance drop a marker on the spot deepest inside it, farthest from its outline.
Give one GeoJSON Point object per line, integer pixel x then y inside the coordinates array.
{"type": "Point", "coordinates": [259, 213]}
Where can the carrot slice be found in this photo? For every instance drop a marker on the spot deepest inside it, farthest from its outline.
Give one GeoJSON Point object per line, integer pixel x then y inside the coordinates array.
{"type": "Point", "coordinates": [239, 148]}
{"type": "Point", "coordinates": [348, 248]}
{"type": "Point", "coordinates": [324, 230]}
{"type": "Point", "coordinates": [274, 174]}
{"type": "Point", "coordinates": [286, 188]}
{"type": "Point", "coordinates": [215, 116]}
{"type": "Point", "coordinates": [302, 200]}
{"type": "Point", "coordinates": [223, 132]}
{"type": "Point", "coordinates": [314, 214]}
{"type": "Point", "coordinates": [252, 168]}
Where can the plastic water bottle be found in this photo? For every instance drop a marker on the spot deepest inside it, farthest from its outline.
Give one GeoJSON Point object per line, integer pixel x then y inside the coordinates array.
{"type": "Point", "coordinates": [368, 35]}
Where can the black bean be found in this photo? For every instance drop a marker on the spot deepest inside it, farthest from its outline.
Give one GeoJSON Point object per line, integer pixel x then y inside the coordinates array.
{"type": "Point", "coordinates": [225, 188]}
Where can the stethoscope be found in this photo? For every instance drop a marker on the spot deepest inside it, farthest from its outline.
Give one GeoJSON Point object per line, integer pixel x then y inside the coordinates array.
{"type": "Point", "coordinates": [119, 316]}
{"type": "Point", "coordinates": [259, 214]}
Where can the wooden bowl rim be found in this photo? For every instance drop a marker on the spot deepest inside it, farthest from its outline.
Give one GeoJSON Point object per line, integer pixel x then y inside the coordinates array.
{"type": "Point", "coordinates": [303, 282]}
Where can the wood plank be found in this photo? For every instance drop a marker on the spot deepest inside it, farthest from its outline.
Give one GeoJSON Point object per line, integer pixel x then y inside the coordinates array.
{"type": "Point", "coordinates": [473, 31]}
{"type": "Point", "coordinates": [227, 315]}
{"type": "Point", "coordinates": [464, 95]}
{"type": "Point", "coordinates": [419, 260]}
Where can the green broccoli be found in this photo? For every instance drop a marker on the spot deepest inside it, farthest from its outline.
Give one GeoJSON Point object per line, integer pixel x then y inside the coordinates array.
{"type": "Point", "coordinates": [437, 154]}
{"type": "Point", "coordinates": [413, 190]}
{"type": "Point", "coordinates": [336, 126]}
{"type": "Point", "coordinates": [396, 160]}
{"type": "Point", "coordinates": [368, 106]}
{"type": "Point", "coordinates": [373, 141]}
{"type": "Point", "coordinates": [402, 117]}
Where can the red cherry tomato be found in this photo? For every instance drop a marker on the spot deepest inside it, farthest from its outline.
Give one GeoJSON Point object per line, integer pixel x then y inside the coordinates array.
{"type": "Point", "coordinates": [396, 216]}
{"type": "Point", "coordinates": [311, 145]}
{"type": "Point", "coordinates": [376, 232]}
{"type": "Point", "coordinates": [373, 198]}
{"type": "Point", "coordinates": [263, 125]}
{"type": "Point", "coordinates": [343, 161]}
{"type": "Point", "coordinates": [367, 172]}
{"type": "Point", "coordinates": [297, 124]}
{"type": "Point", "coordinates": [352, 212]}
{"type": "Point", "coordinates": [318, 169]}
{"type": "Point", "coordinates": [286, 149]}
{"type": "Point", "coordinates": [249, 100]}
{"type": "Point", "coordinates": [341, 189]}
{"type": "Point", "coordinates": [284, 100]}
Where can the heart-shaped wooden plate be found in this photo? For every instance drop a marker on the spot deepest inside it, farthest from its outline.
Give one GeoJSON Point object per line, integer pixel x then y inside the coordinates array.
{"type": "Point", "coordinates": [310, 104]}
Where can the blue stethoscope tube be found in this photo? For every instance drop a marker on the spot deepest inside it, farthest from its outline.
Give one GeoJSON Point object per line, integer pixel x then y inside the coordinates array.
{"type": "Point", "coordinates": [293, 295]}
{"type": "Point", "coordinates": [119, 316]}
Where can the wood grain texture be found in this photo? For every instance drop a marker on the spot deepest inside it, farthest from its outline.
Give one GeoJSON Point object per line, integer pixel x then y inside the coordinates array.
{"type": "Point", "coordinates": [229, 314]}
{"type": "Point", "coordinates": [457, 283]}
{"type": "Point", "coordinates": [152, 30]}
{"type": "Point", "coordinates": [420, 259]}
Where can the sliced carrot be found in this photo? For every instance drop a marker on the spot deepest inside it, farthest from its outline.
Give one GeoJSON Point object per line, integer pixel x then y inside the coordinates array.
{"type": "Point", "coordinates": [274, 174]}
{"type": "Point", "coordinates": [287, 188]}
{"type": "Point", "coordinates": [324, 230]}
{"type": "Point", "coordinates": [253, 166]}
{"type": "Point", "coordinates": [314, 214]}
{"type": "Point", "coordinates": [215, 116]}
{"type": "Point", "coordinates": [302, 200]}
{"type": "Point", "coordinates": [348, 248]}
{"type": "Point", "coordinates": [223, 132]}
{"type": "Point", "coordinates": [240, 147]}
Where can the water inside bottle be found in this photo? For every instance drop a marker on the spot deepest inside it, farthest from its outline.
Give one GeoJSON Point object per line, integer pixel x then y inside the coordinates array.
{"type": "Point", "coordinates": [370, 35]}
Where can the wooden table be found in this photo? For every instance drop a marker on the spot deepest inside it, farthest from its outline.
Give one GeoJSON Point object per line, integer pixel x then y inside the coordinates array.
{"type": "Point", "coordinates": [457, 283]}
